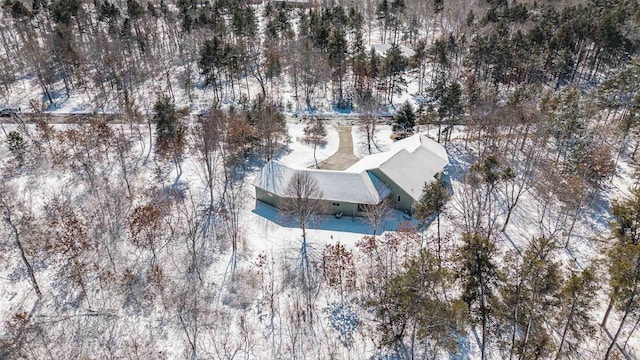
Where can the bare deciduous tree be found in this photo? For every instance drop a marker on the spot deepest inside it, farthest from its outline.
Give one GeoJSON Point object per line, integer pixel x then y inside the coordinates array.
{"type": "Point", "coordinates": [368, 125]}
{"type": "Point", "coordinates": [302, 203]}
{"type": "Point", "coordinates": [315, 131]}
{"type": "Point", "coordinates": [207, 137]}
{"type": "Point", "coordinates": [338, 268]}
{"type": "Point", "coordinates": [10, 221]}
{"type": "Point", "coordinates": [376, 213]}
{"type": "Point", "coordinates": [233, 199]}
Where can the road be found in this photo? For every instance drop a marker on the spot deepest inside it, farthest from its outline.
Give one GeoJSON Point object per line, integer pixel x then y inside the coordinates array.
{"type": "Point", "coordinates": [59, 118]}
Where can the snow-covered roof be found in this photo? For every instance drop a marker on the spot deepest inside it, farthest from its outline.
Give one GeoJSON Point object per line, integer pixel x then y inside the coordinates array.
{"type": "Point", "coordinates": [370, 162]}
{"type": "Point", "coordinates": [411, 170]}
{"type": "Point", "coordinates": [381, 49]}
{"type": "Point", "coordinates": [409, 144]}
{"type": "Point", "coordinates": [360, 187]}
{"type": "Point", "coordinates": [409, 164]}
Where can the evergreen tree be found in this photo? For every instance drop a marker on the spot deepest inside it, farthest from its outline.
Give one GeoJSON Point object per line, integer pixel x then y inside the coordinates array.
{"type": "Point", "coordinates": [530, 292]}
{"type": "Point", "coordinates": [626, 227]}
{"type": "Point", "coordinates": [394, 66]}
{"type": "Point", "coordinates": [624, 270]}
{"type": "Point", "coordinates": [382, 14]}
{"type": "Point", "coordinates": [418, 61]}
{"type": "Point", "coordinates": [337, 49]}
{"type": "Point", "coordinates": [447, 98]}
{"type": "Point", "coordinates": [483, 178]}
{"type": "Point", "coordinates": [215, 55]}
{"type": "Point", "coordinates": [17, 146]}
{"type": "Point", "coordinates": [624, 262]}
{"type": "Point", "coordinates": [480, 279]}
{"type": "Point", "coordinates": [405, 119]}
{"type": "Point", "coordinates": [577, 300]}
{"type": "Point", "coordinates": [434, 197]}
{"type": "Point", "coordinates": [169, 131]}
{"type": "Point", "coordinates": [397, 8]}
{"type": "Point", "coordinates": [409, 304]}
{"type": "Point", "coordinates": [374, 64]}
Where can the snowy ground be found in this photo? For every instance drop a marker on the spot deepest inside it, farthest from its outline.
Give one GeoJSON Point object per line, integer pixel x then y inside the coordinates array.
{"type": "Point", "coordinates": [266, 231]}
{"type": "Point", "coordinates": [26, 93]}
{"type": "Point", "coordinates": [275, 233]}
{"type": "Point", "coordinates": [270, 227]}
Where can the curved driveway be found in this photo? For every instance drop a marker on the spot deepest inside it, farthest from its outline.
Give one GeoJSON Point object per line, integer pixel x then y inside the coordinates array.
{"type": "Point", "coordinates": [344, 157]}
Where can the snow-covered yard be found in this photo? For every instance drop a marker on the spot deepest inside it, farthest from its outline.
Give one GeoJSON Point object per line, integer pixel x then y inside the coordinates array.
{"type": "Point", "coordinates": [266, 232]}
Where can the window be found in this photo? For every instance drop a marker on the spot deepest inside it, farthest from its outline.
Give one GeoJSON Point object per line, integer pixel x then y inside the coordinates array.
{"type": "Point", "coordinates": [335, 204]}
{"type": "Point", "coordinates": [398, 198]}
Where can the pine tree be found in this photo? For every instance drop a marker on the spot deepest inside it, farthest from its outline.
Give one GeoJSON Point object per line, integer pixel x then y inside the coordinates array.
{"type": "Point", "coordinates": [215, 55]}
{"type": "Point", "coordinates": [17, 146]}
{"type": "Point", "coordinates": [405, 119]}
{"type": "Point", "coordinates": [577, 300]}
{"type": "Point", "coordinates": [170, 133]}
{"type": "Point", "coordinates": [447, 98]}
{"type": "Point", "coordinates": [480, 279]}
{"type": "Point", "coordinates": [624, 270]}
{"type": "Point", "coordinates": [434, 197]}
{"type": "Point", "coordinates": [166, 119]}
{"type": "Point", "coordinates": [483, 178]}
{"type": "Point", "coordinates": [394, 65]}
{"type": "Point", "coordinates": [409, 304]}
{"type": "Point", "coordinates": [337, 54]}
{"type": "Point", "coordinates": [624, 262]}
{"type": "Point", "coordinates": [418, 60]}
{"type": "Point", "coordinates": [626, 227]}
{"type": "Point", "coordinates": [530, 292]}
{"type": "Point", "coordinates": [382, 14]}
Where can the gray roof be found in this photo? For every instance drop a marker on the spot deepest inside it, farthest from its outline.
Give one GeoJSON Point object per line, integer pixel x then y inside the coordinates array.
{"type": "Point", "coordinates": [410, 164]}
{"type": "Point", "coordinates": [359, 188]}
{"type": "Point", "coordinates": [411, 170]}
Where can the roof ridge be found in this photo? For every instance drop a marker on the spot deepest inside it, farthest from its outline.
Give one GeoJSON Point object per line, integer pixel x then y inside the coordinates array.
{"type": "Point", "coordinates": [298, 167]}
{"type": "Point", "coordinates": [394, 155]}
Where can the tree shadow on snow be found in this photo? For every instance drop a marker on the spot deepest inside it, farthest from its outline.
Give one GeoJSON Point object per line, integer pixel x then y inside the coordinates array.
{"type": "Point", "coordinates": [350, 224]}
{"type": "Point", "coordinates": [460, 159]}
{"type": "Point", "coordinates": [256, 161]}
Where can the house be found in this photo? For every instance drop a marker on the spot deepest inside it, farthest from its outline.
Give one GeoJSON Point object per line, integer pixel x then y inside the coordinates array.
{"type": "Point", "coordinates": [381, 50]}
{"type": "Point", "coordinates": [297, 4]}
{"type": "Point", "coordinates": [399, 175]}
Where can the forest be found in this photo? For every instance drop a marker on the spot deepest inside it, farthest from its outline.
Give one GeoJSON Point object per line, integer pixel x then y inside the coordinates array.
{"type": "Point", "coordinates": [132, 131]}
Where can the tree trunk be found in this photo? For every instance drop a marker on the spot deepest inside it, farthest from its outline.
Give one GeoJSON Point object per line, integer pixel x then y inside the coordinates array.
{"type": "Point", "coordinates": [573, 224]}
{"type": "Point", "coordinates": [506, 221]}
{"type": "Point", "coordinates": [16, 234]}
{"type": "Point", "coordinates": [526, 340]}
{"type": "Point", "coordinates": [484, 320]}
{"type": "Point", "coordinates": [624, 319]}
{"type": "Point", "coordinates": [635, 326]}
{"type": "Point", "coordinates": [150, 142]}
{"type": "Point", "coordinates": [515, 320]}
{"type": "Point", "coordinates": [566, 328]}
{"type": "Point", "coordinates": [609, 307]}
{"type": "Point", "coordinates": [315, 145]}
